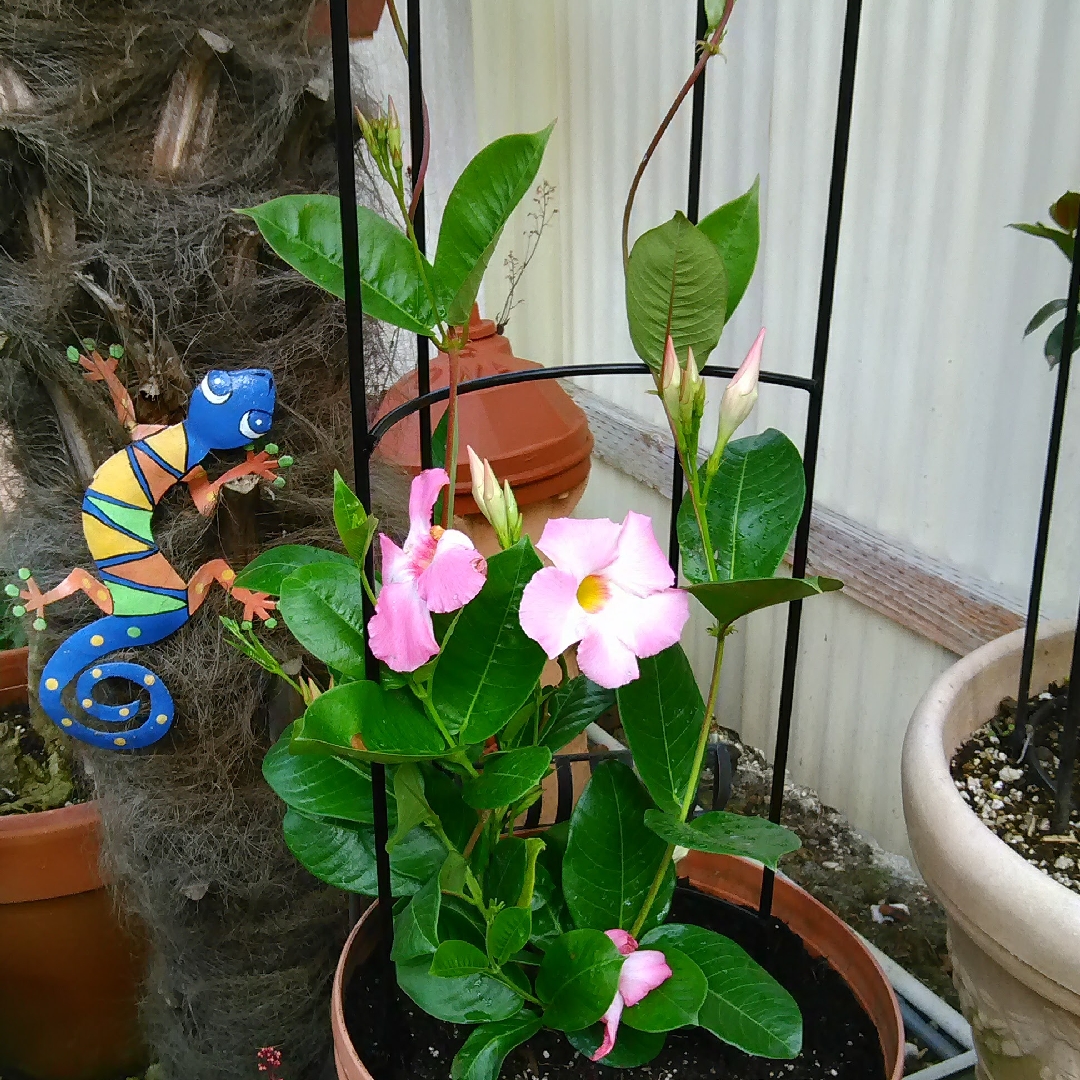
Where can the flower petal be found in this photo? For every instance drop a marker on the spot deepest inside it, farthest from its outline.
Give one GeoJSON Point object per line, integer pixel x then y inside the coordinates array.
{"type": "Point", "coordinates": [625, 942]}
{"type": "Point", "coordinates": [642, 972]}
{"type": "Point", "coordinates": [639, 566]}
{"type": "Point", "coordinates": [580, 546]}
{"type": "Point", "coordinates": [550, 613]}
{"type": "Point", "coordinates": [603, 656]}
{"type": "Point", "coordinates": [423, 495]}
{"type": "Point", "coordinates": [610, 1020]}
{"type": "Point", "coordinates": [395, 562]}
{"type": "Point", "coordinates": [455, 575]}
{"type": "Point", "coordinates": [400, 631]}
{"type": "Point", "coordinates": [645, 624]}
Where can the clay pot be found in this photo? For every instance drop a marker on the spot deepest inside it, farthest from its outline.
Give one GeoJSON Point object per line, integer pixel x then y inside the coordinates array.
{"type": "Point", "coordinates": [364, 19]}
{"type": "Point", "coordinates": [69, 972]}
{"type": "Point", "coordinates": [1014, 932]}
{"type": "Point", "coordinates": [533, 434]}
{"type": "Point", "coordinates": [730, 879]}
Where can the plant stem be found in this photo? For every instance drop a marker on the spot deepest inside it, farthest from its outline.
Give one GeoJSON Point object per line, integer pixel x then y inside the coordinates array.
{"type": "Point", "coordinates": [452, 433]}
{"type": "Point", "coordinates": [706, 54]}
{"type": "Point", "coordinates": [398, 28]}
{"type": "Point", "coordinates": [654, 888]}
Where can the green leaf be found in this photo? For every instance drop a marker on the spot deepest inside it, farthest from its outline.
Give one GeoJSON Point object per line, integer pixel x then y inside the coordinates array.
{"type": "Point", "coordinates": [675, 282]}
{"type": "Point", "coordinates": [662, 713]}
{"type": "Point", "coordinates": [327, 786]}
{"type": "Point", "coordinates": [745, 1005]}
{"type": "Point", "coordinates": [730, 600]}
{"type": "Point", "coordinates": [1052, 349]}
{"type": "Point", "coordinates": [354, 525]}
{"type": "Point", "coordinates": [322, 607]}
{"type": "Point", "coordinates": [344, 855]}
{"type": "Point", "coordinates": [571, 709]}
{"type": "Point", "coordinates": [577, 979]}
{"type": "Point", "coordinates": [508, 933]}
{"type": "Point", "coordinates": [361, 720]}
{"type": "Point", "coordinates": [416, 929]}
{"type": "Point", "coordinates": [486, 1048]}
{"type": "Point", "coordinates": [611, 857]}
{"type": "Point", "coordinates": [267, 571]}
{"type": "Point", "coordinates": [454, 958]}
{"type": "Point", "coordinates": [753, 507]}
{"type": "Point", "coordinates": [412, 806]}
{"type": "Point", "coordinates": [305, 231]}
{"type": "Point", "coordinates": [1063, 240]}
{"type": "Point", "coordinates": [505, 875]}
{"type": "Point", "coordinates": [675, 1002]}
{"type": "Point", "coordinates": [489, 668]}
{"type": "Point", "coordinates": [714, 12]}
{"type": "Point", "coordinates": [466, 999]}
{"type": "Point", "coordinates": [736, 231]}
{"type": "Point", "coordinates": [483, 198]}
{"type": "Point", "coordinates": [444, 797]}
{"type": "Point", "coordinates": [632, 1048]}
{"type": "Point", "coordinates": [722, 833]}
{"type": "Point", "coordinates": [507, 777]}
{"type": "Point", "coordinates": [1044, 313]}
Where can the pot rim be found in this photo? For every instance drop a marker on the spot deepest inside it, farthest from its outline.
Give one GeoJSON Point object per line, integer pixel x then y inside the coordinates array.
{"type": "Point", "coordinates": [1015, 912]}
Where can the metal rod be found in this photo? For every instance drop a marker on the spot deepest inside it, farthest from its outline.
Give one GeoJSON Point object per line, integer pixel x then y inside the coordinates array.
{"type": "Point", "coordinates": [841, 138]}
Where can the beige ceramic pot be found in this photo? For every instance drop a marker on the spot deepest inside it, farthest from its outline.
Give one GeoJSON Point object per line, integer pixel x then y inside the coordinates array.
{"type": "Point", "coordinates": [1014, 933]}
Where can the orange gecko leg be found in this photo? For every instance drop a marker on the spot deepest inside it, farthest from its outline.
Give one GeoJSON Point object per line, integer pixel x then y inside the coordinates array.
{"type": "Point", "coordinates": [77, 581]}
{"type": "Point", "coordinates": [257, 605]}
{"type": "Point", "coordinates": [204, 491]}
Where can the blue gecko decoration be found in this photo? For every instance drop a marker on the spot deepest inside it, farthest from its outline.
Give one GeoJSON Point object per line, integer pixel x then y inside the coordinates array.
{"type": "Point", "coordinates": [142, 595]}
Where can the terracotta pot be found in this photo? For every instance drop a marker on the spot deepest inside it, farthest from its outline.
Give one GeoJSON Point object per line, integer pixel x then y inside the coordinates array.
{"type": "Point", "coordinates": [730, 879]}
{"type": "Point", "coordinates": [1014, 932]}
{"type": "Point", "coordinates": [533, 434]}
{"type": "Point", "coordinates": [69, 972]}
{"type": "Point", "coordinates": [364, 19]}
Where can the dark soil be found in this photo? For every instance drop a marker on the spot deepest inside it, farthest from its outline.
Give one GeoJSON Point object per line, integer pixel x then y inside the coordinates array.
{"type": "Point", "coordinates": [1008, 795]}
{"type": "Point", "coordinates": [838, 1039]}
{"type": "Point", "coordinates": [33, 775]}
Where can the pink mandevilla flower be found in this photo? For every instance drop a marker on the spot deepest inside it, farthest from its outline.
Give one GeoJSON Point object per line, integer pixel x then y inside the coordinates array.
{"type": "Point", "coordinates": [611, 590]}
{"type": "Point", "coordinates": [437, 570]}
{"type": "Point", "coordinates": [642, 971]}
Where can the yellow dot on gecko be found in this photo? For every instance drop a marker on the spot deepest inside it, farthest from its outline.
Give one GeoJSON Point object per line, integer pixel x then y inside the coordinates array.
{"type": "Point", "coordinates": [119, 742]}
{"type": "Point", "coordinates": [102, 595]}
{"type": "Point", "coordinates": [96, 673]}
{"type": "Point", "coordinates": [87, 702]}
{"type": "Point", "coordinates": [51, 684]}
{"type": "Point", "coordinates": [148, 679]}
{"type": "Point", "coordinates": [66, 721]}
{"type": "Point", "coordinates": [162, 719]}
{"type": "Point", "coordinates": [125, 712]}
{"type": "Point", "coordinates": [200, 588]}
{"type": "Point", "coordinates": [228, 575]}
{"type": "Point", "coordinates": [97, 639]}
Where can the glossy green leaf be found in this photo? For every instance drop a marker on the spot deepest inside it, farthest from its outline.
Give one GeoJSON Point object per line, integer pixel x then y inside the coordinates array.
{"type": "Point", "coordinates": [577, 979]}
{"type": "Point", "coordinates": [1052, 348]}
{"type": "Point", "coordinates": [505, 875]}
{"type": "Point", "coordinates": [675, 1002]}
{"type": "Point", "coordinates": [322, 607]}
{"type": "Point", "coordinates": [611, 857]}
{"type": "Point", "coordinates": [466, 999]}
{"type": "Point", "coordinates": [483, 198]}
{"type": "Point", "coordinates": [571, 709]}
{"type": "Point", "coordinates": [416, 929]}
{"type": "Point", "coordinates": [486, 1048]}
{"type": "Point", "coordinates": [662, 713]}
{"type": "Point", "coordinates": [1059, 237]}
{"type": "Point", "coordinates": [745, 1005]}
{"type": "Point", "coordinates": [731, 600]}
{"type": "Point", "coordinates": [459, 920]}
{"type": "Point", "coordinates": [355, 525]}
{"type": "Point", "coordinates": [361, 720]}
{"type": "Point", "coordinates": [344, 855]}
{"type": "Point", "coordinates": [412, 806]}
{"type": "Point", "coordinates": [1044, 313]}
{"type": "Point", "coordinates": [722, 833]}
{"type": "Point", "coordinates": [455, 958]}
{"type": "Point", "coordinates": [508, 933]}
{"type": "Point", "coordinates": [488, 668]}
{"type": "Point", "coordinates": [632, 1048]}
{"type": "Point", "coordinates": [305, 231]}
{"type": "Point", "coordinates": [444, 797]}
{"type": "Point", "coordinates": [506, 777]}
{"type": "Point", "coordinates": [753, 507]}
{"type": "Point", "coordinates": [736, 231]}
{"type": "Point", "coordinates": [267, 571]}
{"type": "Point", "coordinates": [675, 282]}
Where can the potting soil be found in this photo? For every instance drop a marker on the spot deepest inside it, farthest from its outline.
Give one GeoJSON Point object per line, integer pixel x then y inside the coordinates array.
{"type": "Point", "coordinates": [33, 775]}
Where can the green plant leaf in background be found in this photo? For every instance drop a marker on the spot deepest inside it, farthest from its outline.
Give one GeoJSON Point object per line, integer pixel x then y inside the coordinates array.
{"type": "Point", "coordinates": [1052, 349]}
{"type": "Point", "coordinates": [412, 805]}
{"type": "Point", "coordinates": [482, 200]}
{"type": "Point", "coordinates": [305, 231]}
{"type": "Point", "coordinates": [505, 875]}
{"type": "Point", "coordinates": [508, 932]}
{"type": "Point", "coordinates": [355, 525]}
{"type": "Point", "coordinates": [662, 712]}
{"type": "Point", "coordinates": [507, 777]}
{"type": "Point", "coordinates": [571, 709]}
{"type": "Point", "coordinates": [611, 857]}
{"type": "Point", "coordinates": [466, 999]}
{"type": "Point", "coordinates": [455, 958]}
{"type": "Point", "coordinates": [753, 507]}
{"type": "Point", "coordinates": [444, 797]}
{"type": "Point", "coordinates": [484, 1051]}
{"type": "Point", "coordinates": [416, 929]}
{"type": "Point", "coordinates": [675, 281]}
{"type": "Point", "coordinates": [489, 668]}
{"type": "Point", "coordinates": [745, 1005]}
{"type": "Point", "coordinates": [322, 605]}
{"type": "Point", "coordinates": [266, 572]}
{"type": "Point", "coordinates": [577, 979]}
{"type": "Point", "coordinates": [730, 600]}
{"type": "Point", "coordinates": [722, 833]}
{"type": "Point", "coordinates": [1044, 313]}
{"type": "Point", "coordinates": [736, 231]}
{"type": "Point", "coordinates": [676, 1001]}
{"type": "Point", "coordinates": [1062, 239]}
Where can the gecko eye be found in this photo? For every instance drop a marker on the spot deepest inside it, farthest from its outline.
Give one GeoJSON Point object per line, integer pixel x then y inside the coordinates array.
{"type": "Point", "coordinates": [216, 388]}
{"type": "Point", "coordinates": [254, 423]}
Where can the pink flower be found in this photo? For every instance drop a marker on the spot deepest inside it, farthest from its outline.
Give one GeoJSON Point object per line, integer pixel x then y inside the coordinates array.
{"type": "Point", "coordinates": [610, 589]}
{"type": "Point", "coordinates": [438, 570]}
{"type": "Point", "coordinates": [642, 972]}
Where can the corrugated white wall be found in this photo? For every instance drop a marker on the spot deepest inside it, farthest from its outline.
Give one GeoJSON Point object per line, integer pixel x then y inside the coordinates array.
{"type": "Point", "coordinates": [936, 411]}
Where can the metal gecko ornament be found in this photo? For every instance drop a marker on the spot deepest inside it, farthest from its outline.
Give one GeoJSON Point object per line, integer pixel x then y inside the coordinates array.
{"type": "Point", "coordinates": [142, 595]}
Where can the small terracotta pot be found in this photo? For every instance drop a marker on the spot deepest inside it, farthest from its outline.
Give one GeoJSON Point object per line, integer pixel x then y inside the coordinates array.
{"type": "Point", "coordinates": [69, 972]}
{"type": "Point", "coordinates": [732, 879]}
{"type": "Point", "coordinates": [364, 19]}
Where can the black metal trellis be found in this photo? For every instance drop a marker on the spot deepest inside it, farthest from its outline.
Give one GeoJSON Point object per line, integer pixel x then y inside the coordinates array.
{"type": "Point", "coordinates": [365, 440]}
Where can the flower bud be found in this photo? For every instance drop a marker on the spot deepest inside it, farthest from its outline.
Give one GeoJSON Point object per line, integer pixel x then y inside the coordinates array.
{"type": "Point", "coordinates": [692, 395]}
{"type": "Point", "coordinates": [393, 133]}
{"type": "Point", "coordinates": [513, 515]}
{"type": "Point", "coordinates": [497, 504]}
{"type": "Point", "coordinates": [671, 381]}
{"type": "Point", "coordinates": [737, 402]}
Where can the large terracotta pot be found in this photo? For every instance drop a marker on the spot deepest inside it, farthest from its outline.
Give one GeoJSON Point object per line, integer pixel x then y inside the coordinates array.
{"type": "Point", "coordinates": [364, 19]}
{"type": "Point", "coordinates": [730, 879]}
{"type": "Point", "coordinates": [69, 971]}
{"type": "Point", "coordinates": [1014, 932]}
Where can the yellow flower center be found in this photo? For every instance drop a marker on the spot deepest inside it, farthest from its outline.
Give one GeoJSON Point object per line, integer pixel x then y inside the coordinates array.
{"type": "Point", "coordinates": [593, 593]}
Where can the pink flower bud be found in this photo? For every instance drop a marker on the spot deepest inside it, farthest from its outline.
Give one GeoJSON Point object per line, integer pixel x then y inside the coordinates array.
{"type": "Point", "coordinates": [741, 393]}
